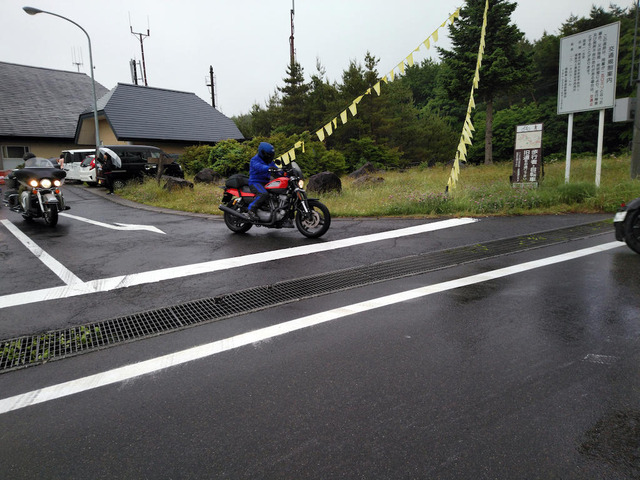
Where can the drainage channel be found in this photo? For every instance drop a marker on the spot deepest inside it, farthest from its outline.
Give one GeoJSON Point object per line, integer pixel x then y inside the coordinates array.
{"type": "Point", "coordinates": [33, 350]}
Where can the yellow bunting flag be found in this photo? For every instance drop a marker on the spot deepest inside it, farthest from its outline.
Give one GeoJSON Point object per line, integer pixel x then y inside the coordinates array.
{"type": "Point", "coordinates": [343, 117]}
{"type": "Point", "coordinates": [320, 134]}
{"type": "Point", "coordinates": [401, 67]}
{"type": "Point", "coordinates": [328, 128]}
{"type": "Point", "coordinates": [292, 154]}
{"type": "Point", "coordinates": [426, 43]}
{"type": "Point", "coordinates": [435, 35]}
{"type": "Point", "coordinates": [353, 109]}
{"type": "Point", "coordinates": [376, 88]}
{"type": "Point", "coordinates": [335, 122]}
{"type": "Point", "coordinates": [410, 59]}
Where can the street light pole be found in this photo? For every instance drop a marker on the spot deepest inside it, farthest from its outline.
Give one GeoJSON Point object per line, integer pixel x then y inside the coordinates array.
{"type": "Point", "coordinates": [34, 11]}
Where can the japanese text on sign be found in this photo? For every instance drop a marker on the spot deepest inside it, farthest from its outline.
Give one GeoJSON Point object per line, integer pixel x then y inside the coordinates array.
{"type": "Point", "coordinates": [588, 66]}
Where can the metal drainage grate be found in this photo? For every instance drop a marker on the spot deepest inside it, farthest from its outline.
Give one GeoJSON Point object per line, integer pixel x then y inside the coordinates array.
{"type": "Point", "coordinates": [37, 349]}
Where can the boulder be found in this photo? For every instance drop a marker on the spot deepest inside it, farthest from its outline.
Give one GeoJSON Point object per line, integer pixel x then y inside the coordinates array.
{"type": "Point", "coordinates": [325, 182]}
{"type": "Point", "coordinates": [207, 175]}
{"type": "Point", "coordinates": [174, 183]}
{"type": "Point", "coordinates": [367, 180]}
{"type": "Point", "coordinates": [366, 169]}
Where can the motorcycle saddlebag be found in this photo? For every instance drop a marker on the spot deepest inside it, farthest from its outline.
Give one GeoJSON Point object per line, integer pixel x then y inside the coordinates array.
{"type": "Point", "coordinates": [237, 181]}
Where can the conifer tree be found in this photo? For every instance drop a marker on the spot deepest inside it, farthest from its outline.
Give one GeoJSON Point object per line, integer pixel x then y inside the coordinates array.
{"type": "Point", "coordinates": [506, 67]}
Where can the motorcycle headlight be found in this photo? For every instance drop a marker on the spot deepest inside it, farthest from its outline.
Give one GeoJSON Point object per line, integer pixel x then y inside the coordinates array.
{"type": "Point", "coordinates": [300, 183]}
{"type": "Point", "coordinates": [45, 182]}
{"type": "Point", "coordinates": [33, 183]}
{"type": "Point", "coordinates": [57, 183]}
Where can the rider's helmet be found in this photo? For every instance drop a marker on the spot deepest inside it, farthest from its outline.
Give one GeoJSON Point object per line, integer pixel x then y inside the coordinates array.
{"type": "Point", "coordinates": [266, 151]}
{"type": "Point", "coordinates": [27, 156]}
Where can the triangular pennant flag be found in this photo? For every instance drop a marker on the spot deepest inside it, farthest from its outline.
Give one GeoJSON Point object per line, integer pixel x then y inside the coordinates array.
{"type": "Point", "coordinates": [343, 117]}
{"type": "Point", "coordinates": [426, 43]}
{"type": "Point", "coordinates": [472, 102]}
{"type": "Point", "coordinates": [353, 109]}
{"type": "Point", "coordinates": [376, 88]}
{"type": "Point", "coordinates": [435, 35]}
{"type": "Point", "coordinates": [410, 59]}
{"type": "Point", "coordinates": [391, 73]}
{"type": "Point", "coordinates": [368, 92]}
{"type": "Point", "coordinates": [328, 128]}
{"type": "Point", "coordinates": [401, 67]}
{"type": "Point", "coordinates": [335, 122]}
{"type": "Point", "coordinates": [285, 158]}
{"type": "Point", "coordinates": [357, 100]}
{"type": "Point", "coordinates": [385, 79]}
{"type": "Point", "coordinates": [320, 134]}
{"type": "Point", "coordinates": [292, 154]}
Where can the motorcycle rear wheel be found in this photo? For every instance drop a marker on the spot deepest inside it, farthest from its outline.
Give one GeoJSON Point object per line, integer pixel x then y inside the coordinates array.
{"type": "Point", "coordinates": [316, 223]}
{"type": "Point", "coordinates": [632, 230]}
{"type": "Point", "coordinates": [235, 224]}
{"type": "Point", "coordinates": [50, 215]}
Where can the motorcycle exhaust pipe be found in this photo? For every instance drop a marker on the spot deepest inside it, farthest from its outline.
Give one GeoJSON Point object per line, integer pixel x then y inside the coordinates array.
{"type": "Point", "coordinates": [224, 208]}
{"type": "Point", "coordinates": [270, 223]}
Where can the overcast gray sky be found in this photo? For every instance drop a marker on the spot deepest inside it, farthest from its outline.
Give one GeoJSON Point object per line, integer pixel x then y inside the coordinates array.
{"type": "Point", "coordinates": [246, 41]}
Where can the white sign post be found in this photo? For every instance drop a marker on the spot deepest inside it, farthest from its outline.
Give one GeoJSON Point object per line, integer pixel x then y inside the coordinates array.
{"type": "Point", "coordinates": [587, 79]}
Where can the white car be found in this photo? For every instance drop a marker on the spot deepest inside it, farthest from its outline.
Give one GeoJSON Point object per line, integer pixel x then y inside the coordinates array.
{"type": "Point", "coordinates": [87, 172]}
{"type": "Point", "coordinates": [72, 161]}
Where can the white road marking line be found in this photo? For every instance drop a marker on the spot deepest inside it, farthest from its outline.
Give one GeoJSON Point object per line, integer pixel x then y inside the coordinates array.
{"type": "Point", "coordinates": [128, 372]}
{"type": "Point", "coordinates": [124, 281]}
{"type": "Point", "coordinates": [56, 267]}
{"type": "Point", "coordinates": [116, 226]}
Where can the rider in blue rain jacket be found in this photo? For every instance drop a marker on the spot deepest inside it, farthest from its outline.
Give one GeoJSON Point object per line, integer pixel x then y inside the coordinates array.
{"type": "Point", "coordinates": [259, 175]}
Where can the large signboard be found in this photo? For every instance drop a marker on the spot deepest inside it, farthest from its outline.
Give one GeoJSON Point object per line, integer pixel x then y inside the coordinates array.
{"type": "Point", "coordinates": [588, 66]}
{"type": "Point", "coordinates": [527, 158]}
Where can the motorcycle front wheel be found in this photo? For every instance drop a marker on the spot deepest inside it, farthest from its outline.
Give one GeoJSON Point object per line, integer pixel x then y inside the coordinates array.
{"type": "Point", "coordinates": [50, 215]}
{"type": "Point", "coordinates": [632, 230]}
{"type": "Point", "coordinates": [236, 224]}
{"type": "Point", "coordinates": [316, 222]}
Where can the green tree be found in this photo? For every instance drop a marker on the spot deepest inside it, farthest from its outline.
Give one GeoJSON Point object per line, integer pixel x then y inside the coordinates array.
{"type": "Point", "coordinates": [293, 116]}
{"type": "Point", "coordinates": [506, 67]}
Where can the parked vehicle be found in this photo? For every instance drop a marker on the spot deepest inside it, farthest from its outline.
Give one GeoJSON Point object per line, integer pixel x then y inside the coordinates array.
{"type": "Point", "coordinates": [39, 194]}
{"type": "Point", "coordinates": [73, 162]}
{"type": "Point", "coordinates": [88, 171]}
{"type": "Point", "coordinates": [136, 162]}
{"type": "Point", "coordinates": [287, 204]}
{"type": "Point", "coordinates": [627, 224]}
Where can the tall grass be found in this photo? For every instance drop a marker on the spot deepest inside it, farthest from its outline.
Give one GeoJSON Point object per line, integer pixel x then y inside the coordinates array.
{"type": "Point", "coordinates": [482, 190]}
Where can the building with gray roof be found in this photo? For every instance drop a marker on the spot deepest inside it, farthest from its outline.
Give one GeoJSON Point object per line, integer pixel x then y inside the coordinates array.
{"type": "Point", "coordinates": [46, 111]}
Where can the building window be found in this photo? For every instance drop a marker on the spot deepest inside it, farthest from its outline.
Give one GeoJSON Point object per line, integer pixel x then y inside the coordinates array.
{"type": "Point", "coordinates": [11, 151]}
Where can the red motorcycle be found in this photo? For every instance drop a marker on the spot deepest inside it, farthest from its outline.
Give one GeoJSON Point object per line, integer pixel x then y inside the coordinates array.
{"type": "Point", "coordinates": [287, 203]}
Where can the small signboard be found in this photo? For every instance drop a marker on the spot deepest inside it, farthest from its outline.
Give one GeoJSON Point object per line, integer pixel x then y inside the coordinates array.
{"type": "Point", "coordinates": [527, 158]}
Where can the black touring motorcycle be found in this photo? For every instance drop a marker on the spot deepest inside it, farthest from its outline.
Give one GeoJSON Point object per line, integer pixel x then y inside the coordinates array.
{"type": "Point", "coordinates": [36, 191]}
{"type": "Point", "coordinates": [287, 204]}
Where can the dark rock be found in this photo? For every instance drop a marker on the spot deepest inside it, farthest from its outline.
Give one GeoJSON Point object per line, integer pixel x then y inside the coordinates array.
{"type": "Point", "coordinates": [207, 175]}
{"type": "Point", "coordinates": [367, 180]}
{"type": "Point", "coordinates": [325, 182]}
{"type": "Point", "coordinates": [366, 169]}
{"type": "Point", "coordinates": [174, 183]}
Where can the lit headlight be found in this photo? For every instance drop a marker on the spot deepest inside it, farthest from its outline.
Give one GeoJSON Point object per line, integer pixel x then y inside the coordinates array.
{"type": "Point", "coordinates": [45, 182]}
{"type": "Point", "coordinates": [300, 183]}
{"type": "Point", "coordinates": [57, 183]}
{"type": "Point", "coordinates": [33, 183]}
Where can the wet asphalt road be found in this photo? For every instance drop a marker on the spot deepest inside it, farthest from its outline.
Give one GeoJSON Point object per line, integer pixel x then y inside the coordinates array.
{"type": "Point", "coordinates": [531, 375]}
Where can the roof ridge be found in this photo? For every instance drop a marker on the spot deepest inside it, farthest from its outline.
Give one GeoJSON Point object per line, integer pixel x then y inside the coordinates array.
{"type": "Point", "coordinates": [42, 68]}
{"type": "Point", "coordinates": [153, 88]}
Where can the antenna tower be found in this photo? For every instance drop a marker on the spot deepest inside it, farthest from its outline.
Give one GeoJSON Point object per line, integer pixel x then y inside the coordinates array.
{"type": "Point", "coordinates": [291, 45]}
{"type": "Point", "coordinates": [75, 60]}
{"type": "Point", "coordinates": [141, 37]}
{"type": "Point", "coordinates": [211, 83]}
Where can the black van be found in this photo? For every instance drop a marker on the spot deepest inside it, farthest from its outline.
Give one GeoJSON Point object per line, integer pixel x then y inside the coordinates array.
{"type": "Point", "coordinates": [137, 161]}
